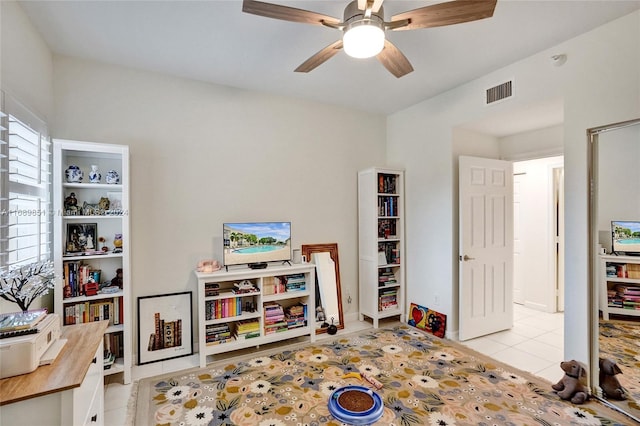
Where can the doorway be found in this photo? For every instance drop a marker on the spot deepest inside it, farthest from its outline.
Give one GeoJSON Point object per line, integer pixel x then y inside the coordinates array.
{"type": "Point", "coordinates": [538, 234]}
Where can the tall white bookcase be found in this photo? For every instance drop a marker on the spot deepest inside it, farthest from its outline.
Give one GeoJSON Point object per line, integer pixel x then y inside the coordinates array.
{"type": "Point", "coordinates": [381, 243]}
{"type": "Point", "coordinates": [75, 262]}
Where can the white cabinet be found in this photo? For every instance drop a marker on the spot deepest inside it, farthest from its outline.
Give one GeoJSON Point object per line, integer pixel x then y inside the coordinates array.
{"type": "Point", "coordinates": [381, 243]}
{"type": "Point", "coordinates": [245, 307]}
{"type": "Point", "coordinates": [619, 285]}
{"type": "Point", "coordinates": [84, 225]}
{"type": "Point", "coordinates": [70, 391]}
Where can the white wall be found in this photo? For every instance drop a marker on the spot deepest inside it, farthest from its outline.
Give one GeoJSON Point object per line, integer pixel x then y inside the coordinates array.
{"type": "Point", "coordinates": [538, 143]}
{"type": "Point", "coordinates": [600, 83]}
{"type": "Point", "coordinates": [203, 154]}
{"type": "Point", "coordinates": [26, 63]}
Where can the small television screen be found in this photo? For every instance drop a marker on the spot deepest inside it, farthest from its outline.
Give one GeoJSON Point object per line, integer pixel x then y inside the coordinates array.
{"type": "Point", "coordinates": [256, 242]}
{"type": "Point", "coordinates": [625, 237]}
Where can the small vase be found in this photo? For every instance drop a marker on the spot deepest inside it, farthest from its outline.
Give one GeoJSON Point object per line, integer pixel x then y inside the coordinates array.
{"type": "Point", "coordinates": [94, 176]}
{"type": "Point", "coordinates": [73, 174]}
{"type": "Point", "coordinates": [112, 177]}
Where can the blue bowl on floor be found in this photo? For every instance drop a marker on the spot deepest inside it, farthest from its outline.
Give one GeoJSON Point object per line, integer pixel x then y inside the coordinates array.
{"type": "Point", "coordinates": [356, 417]}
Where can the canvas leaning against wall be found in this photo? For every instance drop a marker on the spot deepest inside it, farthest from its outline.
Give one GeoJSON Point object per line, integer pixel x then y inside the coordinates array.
{"type": "Point", "coordinates": [164, 327]}
{"type": "Point", "coordinates": [427, 320]}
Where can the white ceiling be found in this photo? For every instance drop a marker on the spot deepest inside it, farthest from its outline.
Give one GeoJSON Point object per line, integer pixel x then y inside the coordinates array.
{"type": "Point", "coordinates": [215, 41]}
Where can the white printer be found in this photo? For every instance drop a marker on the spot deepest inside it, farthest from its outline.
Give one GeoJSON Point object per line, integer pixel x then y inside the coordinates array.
{"type": "Point", "coordinates": [23, 354]}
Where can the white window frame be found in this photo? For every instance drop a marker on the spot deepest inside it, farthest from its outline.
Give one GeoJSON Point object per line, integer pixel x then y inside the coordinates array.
{"type": "Point", "coordinates": [35, 192]}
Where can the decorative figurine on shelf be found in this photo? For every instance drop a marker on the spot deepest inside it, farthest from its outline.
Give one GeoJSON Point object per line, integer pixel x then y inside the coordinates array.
{"type": "Point", "coordinates": [117, 280]}
{"type": "Point", "coordinates": [112, 177]}
{"type": "Point", "coordinates": [94, 176]}
{"type": "Point", "coordinates": [98, 209]}
{"type": "Point", "coordinates": [89, 244]}
{"type": "Point", "coordinates": [101, 242]}
{"type": "Point", "coordinates": [117, 243]}
{"type": "Point", "coordinates": [74, 174]}
{"type": "Point", "coordinates": [71, 205]}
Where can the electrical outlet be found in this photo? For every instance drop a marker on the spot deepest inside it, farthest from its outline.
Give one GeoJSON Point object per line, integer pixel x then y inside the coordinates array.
{"type": "Point", "coordinates": [436, 299]}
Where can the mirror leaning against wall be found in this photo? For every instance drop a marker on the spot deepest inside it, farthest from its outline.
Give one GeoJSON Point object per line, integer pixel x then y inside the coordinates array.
{"type": "Point", "coordinates": [329, 317]}
{"type": "Point", "coordinates": [614, 252]}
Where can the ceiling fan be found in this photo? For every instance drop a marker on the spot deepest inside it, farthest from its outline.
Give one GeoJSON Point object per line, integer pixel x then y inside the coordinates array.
{"type": "Point", "coordinates": [364, 27]}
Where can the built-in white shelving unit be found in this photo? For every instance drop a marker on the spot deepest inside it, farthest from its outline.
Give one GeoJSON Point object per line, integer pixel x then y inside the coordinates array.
{"type": "Point", "coordinates": [78, 256]}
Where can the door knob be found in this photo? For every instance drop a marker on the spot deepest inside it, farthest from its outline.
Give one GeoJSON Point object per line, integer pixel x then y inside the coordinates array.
{"type": "Point", "coordinates": [467, 258]}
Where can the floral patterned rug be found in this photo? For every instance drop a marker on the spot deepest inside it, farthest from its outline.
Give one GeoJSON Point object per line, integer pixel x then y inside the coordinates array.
{"type": "Point", "coordinates": [620, 342]}
{"type": "Point", "coordinates": [425, 381]}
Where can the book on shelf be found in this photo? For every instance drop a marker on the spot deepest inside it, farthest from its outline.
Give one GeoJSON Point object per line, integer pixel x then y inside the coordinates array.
{"type": "Point", "coordinates": [388, 206]}
{"type": "Point", "coordinates": [223, 308]}
{"type": "Point", "coordinates": [220, 341]}
{"type": "Point", "coordinates": [211, 289]}
{"type": "Point", "coordinates": [97, 310]}
{"type": "Point", "coordinates": [386, 183]}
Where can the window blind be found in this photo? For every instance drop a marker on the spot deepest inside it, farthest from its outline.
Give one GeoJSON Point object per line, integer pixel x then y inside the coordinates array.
{"type": "Point", "coordinates": [25, 204]}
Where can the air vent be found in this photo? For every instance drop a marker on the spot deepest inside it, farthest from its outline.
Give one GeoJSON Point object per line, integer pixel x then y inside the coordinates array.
{"type": "Point", "coordinates": [499, 92]}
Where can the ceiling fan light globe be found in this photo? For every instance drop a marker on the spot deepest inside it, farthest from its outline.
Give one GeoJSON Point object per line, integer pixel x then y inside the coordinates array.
{"type": "Point", "coordinates": [363, 39]}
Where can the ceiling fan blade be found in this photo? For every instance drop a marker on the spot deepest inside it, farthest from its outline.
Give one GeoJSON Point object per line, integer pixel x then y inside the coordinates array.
{"type": "Point", "coordinates": [377, 4]}
{"type": "Point", "coordinates": [452, 12]}
{"type": "Point", "coordinates": [286, 13]}
{"type": "Point", "coordinates": [393, 60]}
{"type": "Point", "coordinates": [320, 57]}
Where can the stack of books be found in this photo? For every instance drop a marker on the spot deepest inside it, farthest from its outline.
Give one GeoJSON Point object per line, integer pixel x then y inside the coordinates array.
{"type": "Point", "coordinates": [217, 334]}
{"type": "Point", "coordinates": [274, 320]}
{"type": "Point", "coordinates": [388, 299]}
{"type": "Point", "coordinates": [247, 329]}
{"type": "Point", "coordinates": [630, 296]}
{"type": "Point", "coordinates": [386, 277]}
{"type": "Point", "coordinates": [20, 323]}
{"type": "Point", "coordinates": [211, 289]}
{"type": "Point", "coordinates": [296, 316]}
{"type": "Point", "coordinates": [295, 282]}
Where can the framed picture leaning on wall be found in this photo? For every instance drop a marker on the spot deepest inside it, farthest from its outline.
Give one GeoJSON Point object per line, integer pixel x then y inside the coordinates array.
{"type": "Point", "coordinates": [164, 327]}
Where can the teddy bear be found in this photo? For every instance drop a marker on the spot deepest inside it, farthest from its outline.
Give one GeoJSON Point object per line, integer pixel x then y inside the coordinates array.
{"type": "Point", "coordinates": [571, 387]}
{"type": "Point", "coordinates": [611, 387]}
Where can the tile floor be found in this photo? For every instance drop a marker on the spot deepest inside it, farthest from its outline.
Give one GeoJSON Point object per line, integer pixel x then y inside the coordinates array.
{"type": "Point", "coordinates": [534, 344]}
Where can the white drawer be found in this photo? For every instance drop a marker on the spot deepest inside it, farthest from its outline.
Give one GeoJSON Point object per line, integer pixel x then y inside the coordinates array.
{"type": "Point", "coordinates": [89, 396]}
{"type": "Point", "coordinates": [95, 414]}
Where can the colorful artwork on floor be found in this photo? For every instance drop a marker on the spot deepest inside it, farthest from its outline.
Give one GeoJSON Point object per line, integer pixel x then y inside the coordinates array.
{"type": "Point", "coordinates": [428, 320]}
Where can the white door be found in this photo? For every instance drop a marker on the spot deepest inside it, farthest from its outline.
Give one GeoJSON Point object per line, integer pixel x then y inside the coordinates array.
{"type": "Point", "coordinates": [486, 246]}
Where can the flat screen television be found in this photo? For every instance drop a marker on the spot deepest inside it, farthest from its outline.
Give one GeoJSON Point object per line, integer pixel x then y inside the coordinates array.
{"type": "Point", "coordinates": [625, 237]}
{"type": "Point", "coordinates": [256, 243]}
